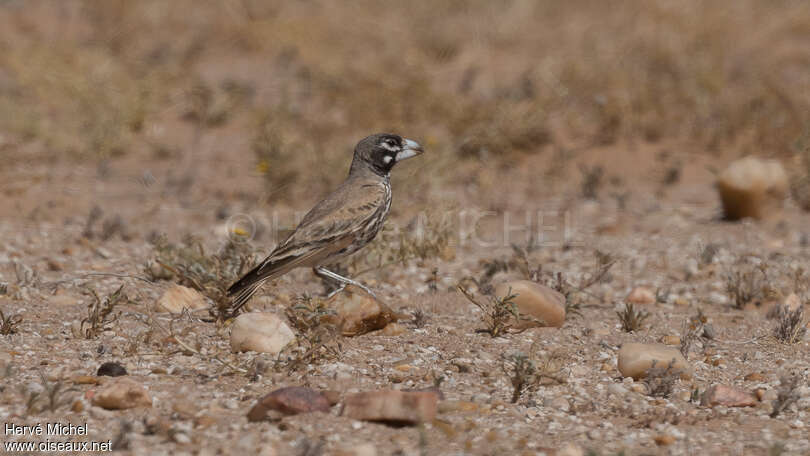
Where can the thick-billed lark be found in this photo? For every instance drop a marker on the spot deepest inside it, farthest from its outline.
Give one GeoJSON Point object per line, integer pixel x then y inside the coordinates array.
{"type": "Point", "coordinates": [339, 225]}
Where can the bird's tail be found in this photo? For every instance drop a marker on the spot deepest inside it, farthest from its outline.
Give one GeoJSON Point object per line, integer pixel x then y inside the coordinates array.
{"type": "Point", "coordinates": [241, 291]}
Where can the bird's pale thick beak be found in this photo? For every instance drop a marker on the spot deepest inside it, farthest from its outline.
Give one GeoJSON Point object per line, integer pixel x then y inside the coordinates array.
{"type": "Point", "coordinates": [412, 149]}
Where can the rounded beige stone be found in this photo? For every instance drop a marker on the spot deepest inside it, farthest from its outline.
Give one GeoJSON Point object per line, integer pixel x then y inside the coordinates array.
{"type": "Point", "coordinates": [537, 301]}
{"type": "Point", "coordinates": [641, 296]}
{"type": "Point", "coordinates": [260, 332]}
{"type": "Point", "coordinates": [636, 359]}
{"type": "Point", "coordinates": [177, 298]}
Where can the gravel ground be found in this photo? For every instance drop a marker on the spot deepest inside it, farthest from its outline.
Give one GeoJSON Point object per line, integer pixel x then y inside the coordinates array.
{"type": "Point", "coordinates": [200, 397]}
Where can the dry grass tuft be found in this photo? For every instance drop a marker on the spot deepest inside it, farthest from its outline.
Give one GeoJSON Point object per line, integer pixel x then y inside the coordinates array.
{"type": "Point", "coordinates": [420, 318]}
{"type": "Point", "coordinates": [642, 72]}
{"type": "Point", "coordinates": [790, 327]}
{"type": "Point", "coordinates": [693, 329]}
{"type": "Point", "coordinates": [51, 398]}
{"type": "Point", "coordinates": [101, 312]}
{"type": "Point", "coordinates": [631, 318]}
{"type": "Point", "coordinates": [747, 284]}
{"type": "Point", "coordinates": [9, 324]}
{"type": "Point", "coordinates": [209, 273]}
{"type": "Point", "coordinates": [500, 315]}
{"type": "Point", "coordinates": [660, 381]}
{"type": "Point", "coordinates": [786, 394]}
{"type": "Point", "coordinates": [318, 333]}
{"type": "Point", "coordinates": [526, 373]}
{"type": "Point", "coordinates": [423, 238]}
{"type": "Point", "coordinates": [273, 155]}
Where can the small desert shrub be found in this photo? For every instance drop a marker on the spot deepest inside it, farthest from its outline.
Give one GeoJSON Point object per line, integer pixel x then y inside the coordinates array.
{"type": "Point", "coordinates": [660, 381]}
{"type": "Point", "coordinates": [9, 324]}
{"type": "Point", "coordinates": [503, 131]}
{"type": "Point", "coordinates": [707, 253]}
{"type": "Point", "coordinates": [209, 106]}
{"type": "Point", "coordinates": [425, 237]}
{"type": "Point", "coordinates": [591, 181]}
{"type": "Point", "coordinates": [631, 318]}
{"type": "Point", "coordinates": [52, 397]}
{"type": "Point", "coordinates": [800, 179]}
{"type": "Point", "coordinates": [693, 328]}
{"type": "Point", "coordinates": [209, 273]}
{"type": "Point", "coordinates": [747, 284]}
{"type": "Point", "coordinates": [521, 371]}
{"type": "Point", "coordinates": [527, 373]}
{"type": "Point", "coordinates": [500, 315]}
{"type": "Point", "coordinates": [318, 333]}
{"type": "Point", "coordinates": [786, 394]}
{"type": "Point", "coordinates": [26, 277]}
{"type": "Point", "coordinates": [275, 157]}
{"type": "Point", "coordinates": [420, 318]}
{"type": "Point", "coordinates": [790, 327]}
{"type": "Point", "coordinates": [101, 312]}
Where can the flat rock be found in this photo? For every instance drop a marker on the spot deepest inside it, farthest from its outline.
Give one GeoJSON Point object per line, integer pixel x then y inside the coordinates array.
{"type": "Point", "coordinates": [636, 359]}
{"type": "Point", "coordinates": [262, 332]}
{"type": "Point", "coordinates": [176, 298]}
{"type": "Point", "coordinates": [539, 302]}
{"type": "Point", "coordinates": [120, 394]}
{"type": "Point", "coordinates": [359, 313]}
{"type": "Point", "coordinates": [752, 187]}
{"type": "Point", "coordinates": [728, 396]}
{"type": "Point", "coordinates": [393, 407]}
{"type": "Point", "coordinates": [289, 401]}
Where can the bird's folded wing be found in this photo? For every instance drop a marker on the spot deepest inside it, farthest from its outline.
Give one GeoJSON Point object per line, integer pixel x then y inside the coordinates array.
{"type": "Point", "coordinates": [334, 222]}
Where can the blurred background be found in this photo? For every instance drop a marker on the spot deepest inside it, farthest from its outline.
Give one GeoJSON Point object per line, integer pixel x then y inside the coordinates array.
{"type": "Point", "coordinates": [254, 103]}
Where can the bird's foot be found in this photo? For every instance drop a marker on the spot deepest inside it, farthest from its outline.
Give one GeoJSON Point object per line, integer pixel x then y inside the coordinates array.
{"type": "Point", "coordinates": [337, 290]}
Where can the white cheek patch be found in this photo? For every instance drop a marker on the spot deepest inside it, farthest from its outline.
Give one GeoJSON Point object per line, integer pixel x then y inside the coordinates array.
{"type": "Point", "coordinates": [387, 159]}
{"type": "Point", "coordinates": [389, 147]}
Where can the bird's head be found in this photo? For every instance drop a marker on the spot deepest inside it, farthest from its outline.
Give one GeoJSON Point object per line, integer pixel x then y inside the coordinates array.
{"type": "Point", "coordinates": [382, 151]}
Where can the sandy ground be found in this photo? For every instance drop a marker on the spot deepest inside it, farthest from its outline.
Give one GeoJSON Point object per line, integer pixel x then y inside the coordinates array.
{"type": "Point", "coordinates": [656, 240]}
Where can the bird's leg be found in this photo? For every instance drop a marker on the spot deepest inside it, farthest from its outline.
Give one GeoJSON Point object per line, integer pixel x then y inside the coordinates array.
{"type": "Point", "coordinates": [343, 281]}
{"type": "Point", "coordinates": [337, 285]}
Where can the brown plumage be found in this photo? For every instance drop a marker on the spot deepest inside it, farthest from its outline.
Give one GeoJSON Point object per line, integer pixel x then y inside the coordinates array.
{"type": "Point", "coordinates": [340, 224]}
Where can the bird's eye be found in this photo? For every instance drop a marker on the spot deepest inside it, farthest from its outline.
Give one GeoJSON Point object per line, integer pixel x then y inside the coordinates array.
{"type": "Point", "coordinates": [391, 142]}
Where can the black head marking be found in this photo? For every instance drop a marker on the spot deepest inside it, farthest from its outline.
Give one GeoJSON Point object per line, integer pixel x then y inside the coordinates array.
{"type": "Point", "coordinates": [379, 152]}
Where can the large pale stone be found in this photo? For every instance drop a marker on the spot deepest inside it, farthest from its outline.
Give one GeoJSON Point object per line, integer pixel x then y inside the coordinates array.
{"type": "Point", "coordinates": [537, 301]}
{"type": "Point", "coordinates": [636, 359]}
{"type": "Point", "coordinates": [260, 332]}
{"type": "Point", "coordinates": [123, 393]}
{"type": "Point", "coordinates": [177, 297]}
{"type": "Point", "coordinates": [396, 407]}
{"type": "Point", "coordinates": [752, 187]}
{"type": "Point", "coordinates": [358, 313]}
